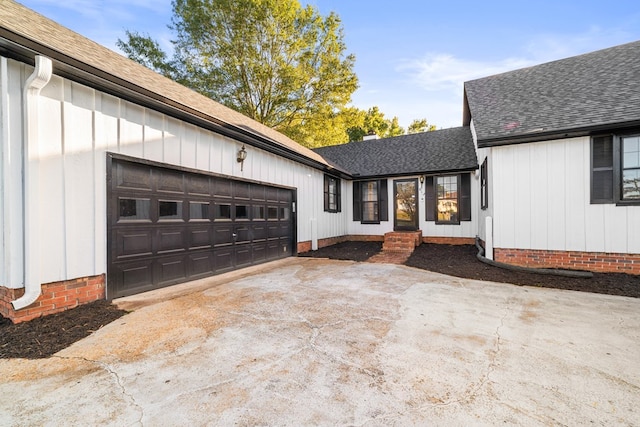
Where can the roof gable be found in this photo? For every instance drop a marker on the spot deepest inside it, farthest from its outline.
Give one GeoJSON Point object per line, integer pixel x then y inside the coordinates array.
{"type": "Point", "coordinates": [560, 98]}
{"type": "Point", "coordinates": [427, 152]}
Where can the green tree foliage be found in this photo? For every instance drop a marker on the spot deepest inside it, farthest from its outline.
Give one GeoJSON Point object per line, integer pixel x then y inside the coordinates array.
{"type": "Point", "coordinates": [372, 121]}
{"type": "Point", "coordinates": [420, 125]}
{"type": "Point", "coordinates": [275, 61]}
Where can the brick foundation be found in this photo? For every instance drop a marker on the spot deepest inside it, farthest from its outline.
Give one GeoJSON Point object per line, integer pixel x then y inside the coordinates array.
{"type": "Point", "coordinates": [571, 260]}
{"type": "Point", "coordinates": [450, 240]}
{"type": "Point", "coordinates": [55, 297]}
{"type": "Point", "coordinates": [306, 246]}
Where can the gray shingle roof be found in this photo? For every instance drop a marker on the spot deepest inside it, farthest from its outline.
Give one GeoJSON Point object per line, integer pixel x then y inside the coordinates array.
{"type": "Point", "coordinates": [428, 152]}
{"type": "Point", "coordinates": [595, 90]}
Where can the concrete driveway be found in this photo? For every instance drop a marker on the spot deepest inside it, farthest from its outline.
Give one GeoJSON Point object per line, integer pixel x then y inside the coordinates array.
{"type": "Point", "coordinates": [317, 342]}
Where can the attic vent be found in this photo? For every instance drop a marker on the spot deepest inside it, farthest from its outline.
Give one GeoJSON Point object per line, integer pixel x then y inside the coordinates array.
{"type": "Point", "coordinates": [369, 137]}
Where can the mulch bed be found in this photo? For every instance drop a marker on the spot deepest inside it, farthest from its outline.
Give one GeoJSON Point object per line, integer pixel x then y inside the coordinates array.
{"type": "Point", "coordinates": [43, 337]}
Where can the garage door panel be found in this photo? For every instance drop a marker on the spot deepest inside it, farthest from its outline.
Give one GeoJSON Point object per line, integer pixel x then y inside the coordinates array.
{"type": "Point", "coordinates": [133, 277]}
{"type": "Point", "coordinates": [243, 256]}
{"type": "Point", "coordinates": [168, 226]}
{"type": "Point", "coordinates": [200, 237]}
{"type": "Point", "coordinates": [223, 259]}
{"type": "Point", "coordinates": [171, 270]}
{"type": "Point", "coordinates": [259, 232]}
{"type": "Point", "coordinates": [170, 181]}
{"type": "Point", "coordinates": [133, 242]}
{"type": "Point", "coordinates": [222, 235]}
{"type": "Point", "coordinates": [259, 252]}
{"type": "Point", "coordinates": [171, 240]}
{"type": "Point", "coordinates": [133, 176]}
{"type": "Point", "coordinates": [199, 185]}
{"type": "Point", "coordinates": [201, 264]}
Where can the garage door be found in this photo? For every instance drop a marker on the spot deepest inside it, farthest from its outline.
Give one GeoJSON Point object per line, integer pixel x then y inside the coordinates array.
{"type": "Point", "coordinates": [167, 226]}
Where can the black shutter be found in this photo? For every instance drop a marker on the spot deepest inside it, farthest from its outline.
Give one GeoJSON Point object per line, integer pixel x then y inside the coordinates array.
{"type": "Point", "coordinates": [326, 193]}
{"type": "Point", "coordinates": [339, 195]}
{"type": "Point", "coordinates": [357, 202]}
{"type": "Point", "coordinates": [602, 169]}
{"type": "Point", "coordinates": [465, 197]}
{"type": "Point", "coordinates": [383, 196]}
{"type": "Point", "coordinates": [430, 198]}
{"type": "Point", "coordinates": [484, 185]}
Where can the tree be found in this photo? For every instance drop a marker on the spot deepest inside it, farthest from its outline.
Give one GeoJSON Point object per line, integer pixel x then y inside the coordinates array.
{"type": "Point", "coordinates": [272, 60]}
{"type": "Point", "coordinates": [420, 125]}
{"type": "Point", "coordinates": [370, 122]}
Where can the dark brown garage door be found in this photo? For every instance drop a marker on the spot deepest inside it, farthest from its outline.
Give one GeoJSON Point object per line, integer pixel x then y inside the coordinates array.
{"type": "Point", "coordinates": [167, 226]}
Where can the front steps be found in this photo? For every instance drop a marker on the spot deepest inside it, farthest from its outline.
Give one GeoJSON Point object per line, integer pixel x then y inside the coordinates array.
{"type": "Point", "coordinates": [397, 247]}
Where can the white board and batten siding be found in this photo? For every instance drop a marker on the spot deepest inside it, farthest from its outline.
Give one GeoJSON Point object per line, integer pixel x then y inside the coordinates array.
{"type": "Point", "coordinates": [78, 126]}
{"type": "Point", "coordinates": [540, 197]}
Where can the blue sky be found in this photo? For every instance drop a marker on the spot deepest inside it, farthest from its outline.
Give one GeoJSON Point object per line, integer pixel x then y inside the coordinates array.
{"type": "Point", "coordinates": [412, 56]}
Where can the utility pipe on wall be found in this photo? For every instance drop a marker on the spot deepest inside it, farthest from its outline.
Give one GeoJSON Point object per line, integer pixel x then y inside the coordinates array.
{"type": "Point", "coordinates": [31, 183]}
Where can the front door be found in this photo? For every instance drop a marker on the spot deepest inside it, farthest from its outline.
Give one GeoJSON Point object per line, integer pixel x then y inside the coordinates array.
{"type": "Point", "coordinates": [405, 192]}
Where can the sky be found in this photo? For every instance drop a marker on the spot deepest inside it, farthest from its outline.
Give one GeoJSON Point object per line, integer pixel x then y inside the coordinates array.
{"type": "Point", "coordinates": [412, 56]}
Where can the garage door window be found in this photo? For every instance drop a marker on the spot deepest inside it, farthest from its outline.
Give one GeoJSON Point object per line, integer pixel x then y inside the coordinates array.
{"type": "Point", "coordinates": [134, 209]}
{"type": "Point", "coordinates": [242, 212]}
{"type": "Point", "coordinates": [258, 212]}
{"type": "Point", "coordinates": [272, 212]}
{"type": "Point", "coordinates": [169, 210]}
{"type": "Point", "coordinates": [198, 211]}
{"type": "Point", "coordinates": [223, 212]}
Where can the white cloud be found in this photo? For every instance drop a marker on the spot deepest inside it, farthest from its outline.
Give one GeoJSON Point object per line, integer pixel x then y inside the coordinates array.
{"type": "Point", "coordinates": [441, 71]}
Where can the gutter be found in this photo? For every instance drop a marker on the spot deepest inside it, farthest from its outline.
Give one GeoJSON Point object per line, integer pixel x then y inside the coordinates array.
{"type": "Point", "coordinates": [31, 186]}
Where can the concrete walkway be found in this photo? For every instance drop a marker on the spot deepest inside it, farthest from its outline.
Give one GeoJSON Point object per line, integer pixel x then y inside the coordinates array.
{"type": "Point", "coordinates": [317, 342]}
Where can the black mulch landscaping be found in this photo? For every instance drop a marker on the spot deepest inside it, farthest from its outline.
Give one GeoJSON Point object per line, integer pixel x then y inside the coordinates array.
{"type": "Point", "coordinates": [461, 261]}
{"type": "Point", "coordinates": [44, 336]}
{"type": "Point", "coordinates": [41, 338]}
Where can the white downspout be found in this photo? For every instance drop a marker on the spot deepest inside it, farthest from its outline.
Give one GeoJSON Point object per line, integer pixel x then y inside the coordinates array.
{"type": "Point", "coordinates": [31, 186]}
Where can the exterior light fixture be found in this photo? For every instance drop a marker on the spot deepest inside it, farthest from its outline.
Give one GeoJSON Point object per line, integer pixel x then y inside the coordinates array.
{"type": "Point", "coordinates": [242, 155]}
{"type": "Point", "coordinates": [421, 179]}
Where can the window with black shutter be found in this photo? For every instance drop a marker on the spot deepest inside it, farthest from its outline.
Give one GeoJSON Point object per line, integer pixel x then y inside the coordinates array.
{"type": "Point", "coordinates": [448, 198]}
{"type": "Point", "coordinates": [615, 169]}
{"type": "Point", "coordinates": [331, 194]}
{"type": "Point", "coordinates": [370, 201]}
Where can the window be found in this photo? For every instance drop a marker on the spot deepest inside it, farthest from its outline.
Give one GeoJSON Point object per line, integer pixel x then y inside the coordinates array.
{"type": "Point", "coordinates": [134, 209]}
{"type": "Point", "coordinates": [198, 211]}
{"type": "Point", "coordinates": [331, 194]}
{"type": "Point", "coordinates": [222, 212]}
{"type": "Point", "coordinates": [370, 201]}
{"type": "Point", "coordinates": [169, 210]}
{"type": "Point", "coordinates": [615, 169]}
{"type": "Point", "coordinates": [484, 187]}
{"type": "Point", "coordinates": [448, 198]}
{"type": "Point", "coordinates": [631, 168]}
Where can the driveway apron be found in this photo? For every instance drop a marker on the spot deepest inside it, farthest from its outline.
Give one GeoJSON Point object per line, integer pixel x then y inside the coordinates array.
{"type": "Point", "coordinates": [318, 342]}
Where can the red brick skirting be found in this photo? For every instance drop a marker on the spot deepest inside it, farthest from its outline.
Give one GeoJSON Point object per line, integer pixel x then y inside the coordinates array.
{"type": "Point", "coordinates": [450, 240]}
{"type": "Point", "coordinates": [55, 297]}
{"type": "Point", "coordinates": [306, 246]}
{"type": "Point", "coordinates": [590, 261]}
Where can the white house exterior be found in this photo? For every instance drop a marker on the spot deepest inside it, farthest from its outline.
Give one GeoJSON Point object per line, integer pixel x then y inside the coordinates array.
{"type": "Point", "coordinates": [115, 180]}
{"type": "Point", "coordinates": [562, 148]}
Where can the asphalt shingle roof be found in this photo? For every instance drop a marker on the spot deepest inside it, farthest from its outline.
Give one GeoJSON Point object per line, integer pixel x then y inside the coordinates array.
{"type": "Point", "coordinates": [428, 152]}
{"type": "Point", "coordinates": [593, 90]}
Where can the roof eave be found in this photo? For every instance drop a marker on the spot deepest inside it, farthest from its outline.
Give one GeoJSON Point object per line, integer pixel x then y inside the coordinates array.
{"type": "Point", "coordinates": [22, 49]}
{"type": "Point", "coordinates": [359, 177]}
{"type": "Point", "coordinates": [557, 134]}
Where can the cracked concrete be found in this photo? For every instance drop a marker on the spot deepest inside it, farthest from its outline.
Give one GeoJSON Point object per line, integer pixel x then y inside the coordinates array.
{"type": "Point", "coordinates": [317, 342]}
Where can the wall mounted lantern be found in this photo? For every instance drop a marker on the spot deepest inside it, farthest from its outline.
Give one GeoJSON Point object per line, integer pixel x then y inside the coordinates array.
{"type": "Point", "coordinates": [421, 179]}
{"type": "Point", "coordinates": [242, 155]}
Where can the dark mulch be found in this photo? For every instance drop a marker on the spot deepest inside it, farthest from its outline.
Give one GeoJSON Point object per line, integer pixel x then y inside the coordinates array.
{"type": "Point", "coordinates": [44, 336]}
{"type": "Point", "coordinates": [348, 251]}
{"type": "Point", "coordinates": [41, 338]}
{"type": "Point", "coordinates": [461, 261]}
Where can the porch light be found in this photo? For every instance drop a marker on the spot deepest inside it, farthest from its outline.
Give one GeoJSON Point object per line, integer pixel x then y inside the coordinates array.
{"type": "Point", "coordinates": [242, 155]}
{"type": "Point", "coordinates": [421, 179]}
